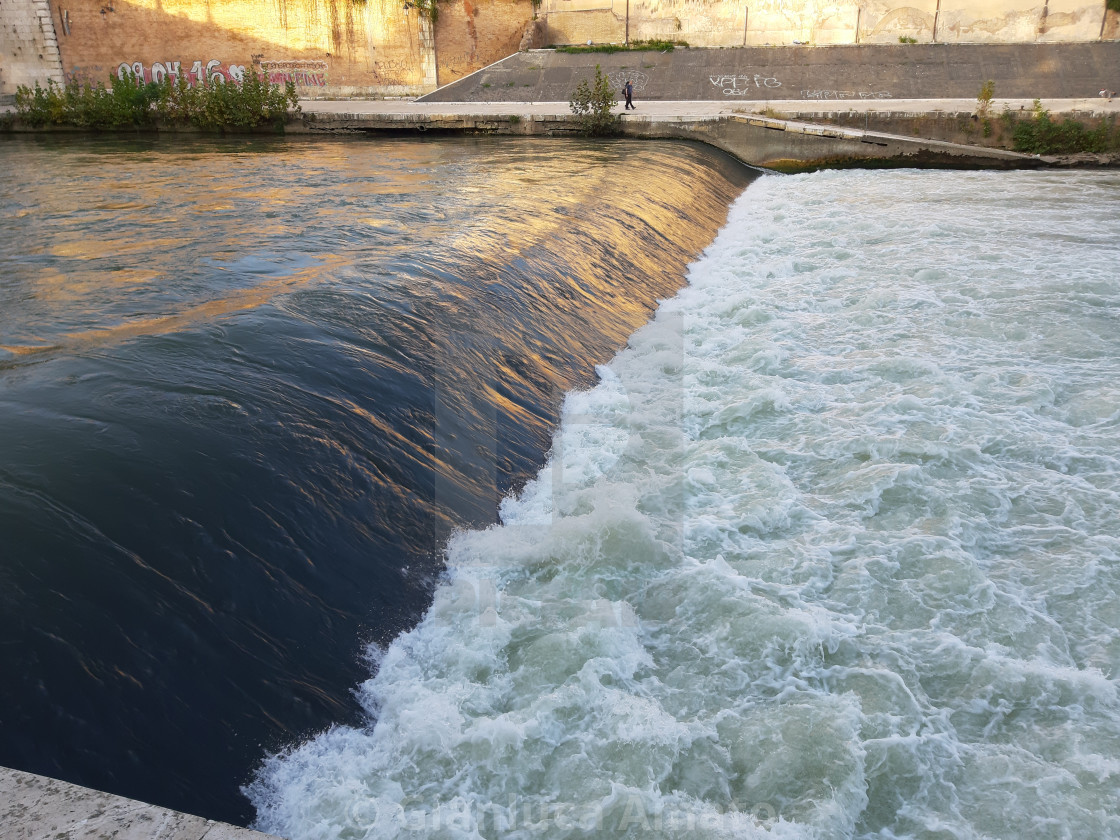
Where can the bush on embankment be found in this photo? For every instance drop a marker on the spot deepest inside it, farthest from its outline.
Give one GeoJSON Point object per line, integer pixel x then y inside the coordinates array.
{"type": "Point", "coordinates": [592, 102]}
{"type": "Point", "coordinates": [249, 105]}
{"type": "Point", "coordinates": [1044, 135]}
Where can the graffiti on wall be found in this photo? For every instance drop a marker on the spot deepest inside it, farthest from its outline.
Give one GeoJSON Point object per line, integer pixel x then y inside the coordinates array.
{"type": "Point", "coordinates": [299, 73]}
{"type": "Point", "coordinates": [459, 64]}
{"type": "Point", "coordinates": [845, 94]}
{"type": "Point", "coordinates": [93, 74]}
{"type": "Point", "coordinates": [740, 84]}
{"type": "Point", "coordinates": [392, 70]}
{"type": "Point", "coordinates": [198, 73]}
{"type": "Point", "coordinates": [619, 77]}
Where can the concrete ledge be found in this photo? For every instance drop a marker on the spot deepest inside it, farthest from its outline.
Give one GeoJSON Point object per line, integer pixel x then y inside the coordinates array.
{"type": "Point", "coordinates": [36, 807]}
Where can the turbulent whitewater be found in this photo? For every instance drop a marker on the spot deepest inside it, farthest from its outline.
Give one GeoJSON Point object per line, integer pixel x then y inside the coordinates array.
{"type": "Point", "coordinates": [831, 550]}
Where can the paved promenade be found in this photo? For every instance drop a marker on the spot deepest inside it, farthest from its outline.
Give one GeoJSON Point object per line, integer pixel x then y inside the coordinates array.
{"type": "Point", "coordinates": [664, 109]}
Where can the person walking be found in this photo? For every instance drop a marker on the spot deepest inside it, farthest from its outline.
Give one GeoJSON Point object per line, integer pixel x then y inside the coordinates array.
{"type": "Point", "coordinates": [628, 90]}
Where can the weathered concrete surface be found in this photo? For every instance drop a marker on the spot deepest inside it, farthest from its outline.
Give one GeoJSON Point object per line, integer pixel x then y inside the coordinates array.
{"type": "Point", "coordinates": [746, 74]}
{"type": "Point", "coordinates": [28, 46]}
{"type": "Point", "coordinates": [792, 146]}
{"type": "Point", "coordinates": [733, 23]}
{"type": "Point", "coordinates": [37, 808]}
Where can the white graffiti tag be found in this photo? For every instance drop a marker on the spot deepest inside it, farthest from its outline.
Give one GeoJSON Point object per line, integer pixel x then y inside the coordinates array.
{"type": "Point", "coordinates": [300, 73]}
{"type": "Point", "coordinates": [171, 71]}
{"type": "Point", "coordinates": [844, 94]}
{"type": "Point", "coordinates": [743, 84]}
{"type": "Point", "coordinates": [619, 77]}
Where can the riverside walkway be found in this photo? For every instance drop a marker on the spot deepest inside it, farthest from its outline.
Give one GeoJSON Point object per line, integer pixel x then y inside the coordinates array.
{"type": "Point", "coordinates": [786, 108]}
{"type": "Point", "coordinates": [785, 135]}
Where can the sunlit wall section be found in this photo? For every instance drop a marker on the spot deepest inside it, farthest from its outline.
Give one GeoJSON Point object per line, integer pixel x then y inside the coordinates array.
{"type": "Point", "coordinates": [471, 34]}
{"type": "Point", "coordinates": [1014, 20]}
{"type": "Point", "coordinates": [724, 23]}
{"type": "Point", "coordinates": [325, 47]}
{"type": "Point", "coordinates": [28, 46]}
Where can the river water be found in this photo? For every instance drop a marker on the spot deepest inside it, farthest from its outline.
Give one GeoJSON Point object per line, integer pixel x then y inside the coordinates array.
{"type": "Point", "coordinates": [831, 550]}
{"type": "Point", "coordinates": [247, 390]}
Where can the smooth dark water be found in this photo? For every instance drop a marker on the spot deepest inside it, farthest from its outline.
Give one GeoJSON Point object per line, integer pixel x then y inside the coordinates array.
{"type": "Point", "coordinates": [248, 388]}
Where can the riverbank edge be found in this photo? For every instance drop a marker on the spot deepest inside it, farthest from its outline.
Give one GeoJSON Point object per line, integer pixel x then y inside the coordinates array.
{"type": "Point", "coordinates": [772, 140]}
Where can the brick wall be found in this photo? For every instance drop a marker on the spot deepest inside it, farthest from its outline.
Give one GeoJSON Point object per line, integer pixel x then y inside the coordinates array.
{"type": "Point", "coordinates": [327, 47]}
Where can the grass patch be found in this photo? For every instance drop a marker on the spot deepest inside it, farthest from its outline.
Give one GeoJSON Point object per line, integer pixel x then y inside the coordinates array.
{"type": "Point", "coordinates": [659, 45]}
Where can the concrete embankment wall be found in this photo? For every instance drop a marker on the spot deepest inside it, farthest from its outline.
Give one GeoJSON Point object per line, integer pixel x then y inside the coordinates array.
{"type": "Point", "coordinates": [823, 74]}
{"type": "Point", "coordinates": [35, 807]}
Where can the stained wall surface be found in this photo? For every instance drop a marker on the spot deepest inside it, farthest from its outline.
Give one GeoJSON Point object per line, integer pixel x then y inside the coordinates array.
{"type": "Point", "coordinates": [328, 48]}
{"type": "Point", "coordinates": [471, 34]}
{"type": "Point", "coordinates": [335, 46]}
{"type": "Point", "coordinates": [726, 23]}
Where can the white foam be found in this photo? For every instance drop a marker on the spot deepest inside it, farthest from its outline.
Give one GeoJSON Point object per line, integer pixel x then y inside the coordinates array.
{"type": "Point", "coordinates": [831, 551]}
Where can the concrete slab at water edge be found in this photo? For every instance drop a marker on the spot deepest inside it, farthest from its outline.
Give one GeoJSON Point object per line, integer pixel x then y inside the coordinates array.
{"type": "Point", "coordinates": [36, 807]}
{"type": "Point", "coordinates": [850, 72]}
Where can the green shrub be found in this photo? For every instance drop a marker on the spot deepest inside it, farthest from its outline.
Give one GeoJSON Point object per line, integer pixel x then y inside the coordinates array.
{"type": "Point", "coordinates": [1043, 135]}
{"type": "Point", "coordinates": [1114, 5]}
{"type": "Point", "coordinates": [984, 98]}
{"type": "Point", "coordinates": [212, 106]}
{"type": "Point", "coordinates": [906, 39]}
{"type": "Point", "coordinates": [124, 104]}
{"type": "Point", "coordinates": [427, 8]}
{"type": "Point", "coordinates": [592, 103]}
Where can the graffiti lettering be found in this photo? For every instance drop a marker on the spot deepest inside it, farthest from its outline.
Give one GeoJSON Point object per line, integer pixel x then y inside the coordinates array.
{"type": "Point", "coordinates": [743, 84]}
{"type": "Point", "coordinates": [459, 64]}
{"type": "Point", "coordinates": [844, 94]}
{"type": "Point", "coordinates": [299, 73]}
{"type": "Point", "coordinates": [172, 71]}
{"type": "Point", "coordinates": [392, 70]}
{"type": "Point", "coordinates": [618, 79]}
